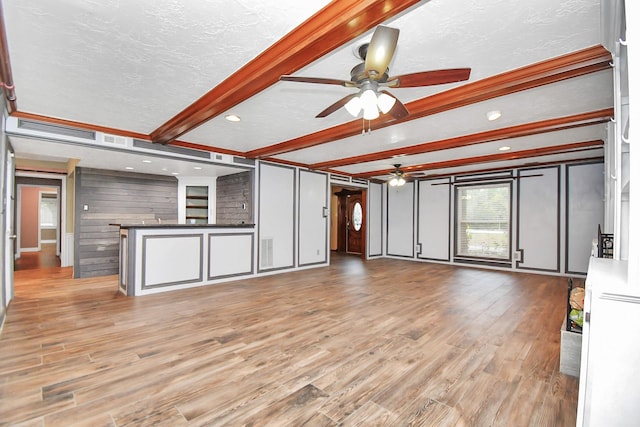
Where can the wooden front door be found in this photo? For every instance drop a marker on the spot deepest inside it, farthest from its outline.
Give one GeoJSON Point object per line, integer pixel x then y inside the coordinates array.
{"type": "Point", "coordinates": [355, 223]}
{"type": "Point", "coordinates": [351, 221]}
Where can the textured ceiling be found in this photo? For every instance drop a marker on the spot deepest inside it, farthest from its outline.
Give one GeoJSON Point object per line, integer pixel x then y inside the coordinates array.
{"type": "Point", "coordinates": [134, 65]}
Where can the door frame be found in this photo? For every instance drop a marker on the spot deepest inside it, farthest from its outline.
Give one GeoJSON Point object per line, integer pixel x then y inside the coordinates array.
{"type": "Point", "coordinates": [341, 208]}
{"type": "Point", "coordinates": [8, 227]}
{"type": "Point", "coordinates": [62, 200]}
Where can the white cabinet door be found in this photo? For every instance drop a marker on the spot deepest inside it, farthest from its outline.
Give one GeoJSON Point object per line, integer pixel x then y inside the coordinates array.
{"type": "Point", "coordinates": [609, 371]}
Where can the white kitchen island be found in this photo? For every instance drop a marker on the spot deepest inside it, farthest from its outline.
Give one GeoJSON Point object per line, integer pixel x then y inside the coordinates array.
{"type": "Point", "coordinates": [163, 257]}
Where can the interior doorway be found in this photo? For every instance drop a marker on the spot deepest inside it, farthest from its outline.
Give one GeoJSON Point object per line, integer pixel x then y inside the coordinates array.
{"type": "Point", "coordinates": [40, 219]}
{"type": "Point", "coordinates": [38, 227]}
{"type": "Point", "coordinates": [349, 220]}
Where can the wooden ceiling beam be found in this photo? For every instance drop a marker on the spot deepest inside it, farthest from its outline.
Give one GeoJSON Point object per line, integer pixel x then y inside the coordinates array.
{"type": "Point", "coordinates": [515, 155]}
{"type": "Point", "coordinates": [572, 65]}
{"type": "Point", "coordinates": [543, 126]}
{"type": "Point", "coordinates": [336, 24]}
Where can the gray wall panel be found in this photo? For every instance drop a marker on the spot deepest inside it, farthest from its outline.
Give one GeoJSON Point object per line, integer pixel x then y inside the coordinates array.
{"type": "Point", "coordinates": [115, 197]}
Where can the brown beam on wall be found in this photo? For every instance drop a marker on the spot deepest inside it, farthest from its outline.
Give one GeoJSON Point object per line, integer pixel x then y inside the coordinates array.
{"type": "Point", "coordinates": [336, 24]}
{"type": "Point", "coordinates": [500, 157]}
{"type": "Point", "coordinates": [527, 129]}
{"type": "Point", "coordinates": [586, 61]}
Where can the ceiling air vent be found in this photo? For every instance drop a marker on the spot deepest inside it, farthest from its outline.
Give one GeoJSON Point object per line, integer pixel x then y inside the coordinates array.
{"type": "Point", "coordinates": [138, 143]}
{"type": "Point", "coordinates": [56, 129]}
{"type": "Point", "coordinates": [360, 181]}
{"type": "Point", "coordinates": [114, 139]}
{"type": "Point", "coordinates": [244, 161]}
{"type": "Point", "coordinates": [340, 178]}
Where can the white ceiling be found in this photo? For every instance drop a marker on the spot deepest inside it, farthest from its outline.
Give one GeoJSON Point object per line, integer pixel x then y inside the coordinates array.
{"type": "Point", "coordinates": [133, 65]}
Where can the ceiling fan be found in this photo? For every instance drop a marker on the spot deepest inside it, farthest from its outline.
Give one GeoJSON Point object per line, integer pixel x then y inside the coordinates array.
{"type": "Point", "coordinates": [397, 178]}
{"type": "Point", "coordinates": [372, 74]}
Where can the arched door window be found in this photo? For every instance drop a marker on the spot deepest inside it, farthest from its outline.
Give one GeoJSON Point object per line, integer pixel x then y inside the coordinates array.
{"type": "Point", "coordinates": [357, 216]}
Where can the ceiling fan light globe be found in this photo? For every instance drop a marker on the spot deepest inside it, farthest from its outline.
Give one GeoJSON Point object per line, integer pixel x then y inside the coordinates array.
{"type": "Point", "coordinates": [371, 113]}
{"type": "Point", "coordinates": [401, 181]}
{"type": "Point", "coordinates": [369, 99]}
{"type": "Point", "coordinates": [393, 182]}
{"type": "Point", "coordinates": [354, 106]}
{"type": "Point", "coordinates": [385, 102]}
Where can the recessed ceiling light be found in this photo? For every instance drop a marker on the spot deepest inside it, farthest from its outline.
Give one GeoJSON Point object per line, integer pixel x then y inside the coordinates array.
{"type": "Point", "coordinates": [165, 169]}
{"type": "Point", "coordinates": [175, 173]}
{"type": "Point", "coordinates": [494, 115]}
{"type": "Point", "coordinates": [129, 168]}
{"type": "Point", "coordinates": [146, 161]}
{"type": "Point", "coordinates": [232, 118]}
{"type": "Point", "coordinates": [504, 148]}
{"type": "Point", "coordinates": [197, 168]}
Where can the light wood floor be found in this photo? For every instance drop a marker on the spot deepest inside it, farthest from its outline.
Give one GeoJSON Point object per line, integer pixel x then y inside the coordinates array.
{"type": "Point", "coordinates": [383, 342]}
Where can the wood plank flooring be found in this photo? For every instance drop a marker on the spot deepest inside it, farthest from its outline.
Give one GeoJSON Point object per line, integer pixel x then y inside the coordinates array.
{"type": "Point", "coordinates": [44, 258]}
{"type": "Point", "coordinates": [377, 343]}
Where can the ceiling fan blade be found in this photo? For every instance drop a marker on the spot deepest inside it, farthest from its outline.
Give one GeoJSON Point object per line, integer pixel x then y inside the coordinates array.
{"type": "Point", "coordinates": [336, 106]}
{"type": "Point", "coordinates": [318, 80]}
{"type": "Point", "coordinates": [380, 51]}
{"type": "Point", "coordinates": [398, 110]}
{"type": "Point", "coordinates": [430, 78]}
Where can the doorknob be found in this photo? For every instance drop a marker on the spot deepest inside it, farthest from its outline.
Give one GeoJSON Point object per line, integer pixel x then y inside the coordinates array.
{"type": "Point", "coordinates": [13, 236]}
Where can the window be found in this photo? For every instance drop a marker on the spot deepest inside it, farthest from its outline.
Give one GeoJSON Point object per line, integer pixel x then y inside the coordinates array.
{"type": "Point", "coordinates": [357, 216]}
{"type": "Point", "coordinates": [483, 221]}
{"type": "Point", "coordinates": [48, 210]}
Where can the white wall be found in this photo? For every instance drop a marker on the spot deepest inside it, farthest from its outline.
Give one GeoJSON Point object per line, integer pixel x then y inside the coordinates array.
{"type": "Point", "coordinates": [585, 210]}
{"type": "Point", "coordinates": [276, 216]}
{"type": "Point", "coordinates": [633, 43]}
{"type": "Point", "coordinates": [434, 215]}
{"type": "Point", "coordinates": [374, 219]}
{"type": "Point", "coordinates": [313, 214]}
{"type": "Point", "coordinates": [540, 225]}
{"type": "Point", "coordinates": [6, 252]}
{"type": "Point", "coordinates": [538, 217]}
{"type": "Point", "coordinates": [400, 229]}
{"type": "Point", "coordinates": [293, 217]}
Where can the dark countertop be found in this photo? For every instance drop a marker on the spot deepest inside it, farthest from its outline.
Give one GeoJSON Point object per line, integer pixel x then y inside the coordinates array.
{"type": "Point", "coordinates": [156, 225]}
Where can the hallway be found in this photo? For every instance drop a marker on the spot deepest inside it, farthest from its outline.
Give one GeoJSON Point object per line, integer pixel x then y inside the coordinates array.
{"type": "Point", "coordinates": [45, 258]}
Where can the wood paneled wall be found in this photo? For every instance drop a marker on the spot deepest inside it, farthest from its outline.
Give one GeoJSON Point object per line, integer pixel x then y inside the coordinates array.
{"type": "Point", "coordinates": [234, 198]}
{"type": "Point", "coordinates": [121, 198]}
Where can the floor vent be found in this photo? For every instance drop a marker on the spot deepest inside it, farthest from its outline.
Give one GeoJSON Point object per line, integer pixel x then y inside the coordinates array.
{"type": "Point", "coordinates": [266, 252]}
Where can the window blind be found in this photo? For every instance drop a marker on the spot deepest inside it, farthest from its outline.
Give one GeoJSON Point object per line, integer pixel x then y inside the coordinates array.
{"type": "Point", "coordinates": [483, 218]}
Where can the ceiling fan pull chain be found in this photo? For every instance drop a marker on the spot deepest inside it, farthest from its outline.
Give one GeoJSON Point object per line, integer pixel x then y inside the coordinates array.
{"type": "Point", "coordinates": [363, 132]}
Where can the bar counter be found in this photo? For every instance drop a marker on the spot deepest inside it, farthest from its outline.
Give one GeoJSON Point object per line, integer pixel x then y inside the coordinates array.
{"type": "Point", "coordinates": [162, 257]}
